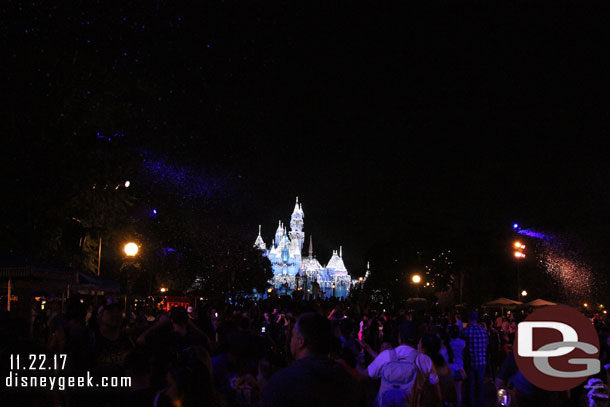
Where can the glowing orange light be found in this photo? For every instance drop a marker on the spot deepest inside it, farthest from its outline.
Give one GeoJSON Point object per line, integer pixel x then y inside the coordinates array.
{"type": "Point", "coordinates": [131, 249]}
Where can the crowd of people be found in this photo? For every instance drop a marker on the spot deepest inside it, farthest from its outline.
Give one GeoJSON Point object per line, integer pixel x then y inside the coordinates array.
{"type": "Point", "coordinates": [280, 352]}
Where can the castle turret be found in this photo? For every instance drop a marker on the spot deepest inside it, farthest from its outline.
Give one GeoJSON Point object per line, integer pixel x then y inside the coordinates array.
{"type": "Point", "coordinates": [259, 243]}
{"type": "Point", "coordinates": [310, 246]}
{"type": "Point", "coordinates": [285, 251]}
{"type": "Point", "coordinates": [279, 233]}
{"type": "Point", "coordinates": [296, 226]}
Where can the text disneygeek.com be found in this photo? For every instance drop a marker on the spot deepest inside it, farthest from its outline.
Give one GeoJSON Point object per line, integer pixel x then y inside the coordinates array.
{"type": "Point", "coordinates": [19, 378]}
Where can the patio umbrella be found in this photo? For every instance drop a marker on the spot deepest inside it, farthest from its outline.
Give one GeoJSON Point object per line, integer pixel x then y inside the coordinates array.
{"type": "Point", "coordinates": [502, 302]}
{"type": "Point", "coordinates": [540, 303]}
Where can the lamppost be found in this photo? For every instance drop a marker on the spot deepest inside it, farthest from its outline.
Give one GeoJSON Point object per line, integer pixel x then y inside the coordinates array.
{"type": "Point", "coordinates": [131, 250]}
{"type": "Point", "coordinates": [519, 255]}
{"type": "Point", "coordinates": [416, 279]}
{"type": "Point", "coordinates": [334, 289]}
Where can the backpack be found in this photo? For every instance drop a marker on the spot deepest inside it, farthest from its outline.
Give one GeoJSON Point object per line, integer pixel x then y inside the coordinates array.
{"type": "Point", "coordinates": [397, 379]}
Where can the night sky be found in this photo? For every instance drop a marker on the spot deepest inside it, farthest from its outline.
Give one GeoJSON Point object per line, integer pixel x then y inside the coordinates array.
{"type": "Point", "coordinates": [434, 126]}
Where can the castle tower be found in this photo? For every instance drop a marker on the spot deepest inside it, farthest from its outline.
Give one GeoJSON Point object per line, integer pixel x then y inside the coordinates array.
{"type": "Point", "coordinates": [296, 226]}
{"type": "Point", "coordinates": [279, 233]}
{"type": "Point", "coordinates": [310, 246]}
{"type": "Point", "coordinates": [259, 243]}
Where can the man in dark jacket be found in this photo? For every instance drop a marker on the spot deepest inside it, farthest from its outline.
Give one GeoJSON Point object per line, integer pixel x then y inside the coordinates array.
{"type": "Point", "coordinates": [313, 379]}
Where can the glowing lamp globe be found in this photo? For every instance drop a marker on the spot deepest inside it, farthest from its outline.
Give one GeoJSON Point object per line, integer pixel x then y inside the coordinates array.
{"type": "Point", "coordinates": [416, 279]}
{"type": "Point", "coordinates": [131, 249]}
{"type": "Point", "coordinates": [523, 293]}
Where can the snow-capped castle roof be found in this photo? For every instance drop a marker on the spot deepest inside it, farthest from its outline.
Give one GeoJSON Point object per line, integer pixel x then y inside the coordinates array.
{"type": "Point", "coordinates": [336, 263]}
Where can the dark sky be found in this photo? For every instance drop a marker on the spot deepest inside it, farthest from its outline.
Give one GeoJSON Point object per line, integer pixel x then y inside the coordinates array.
{"type": "Point", "coordinates": [449, 120]}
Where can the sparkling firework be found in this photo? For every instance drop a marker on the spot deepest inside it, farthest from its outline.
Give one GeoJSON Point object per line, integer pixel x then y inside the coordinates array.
{"type": "Point", "coordinates": [564, 264]}
{"type": "Point", "coordinates": [573, 275]}
{"type": "Point", "coordinates": [188, 182]}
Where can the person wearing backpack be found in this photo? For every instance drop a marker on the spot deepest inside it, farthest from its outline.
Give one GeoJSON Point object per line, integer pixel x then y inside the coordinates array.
{"type": "Point", "coordinates": [402, 370]}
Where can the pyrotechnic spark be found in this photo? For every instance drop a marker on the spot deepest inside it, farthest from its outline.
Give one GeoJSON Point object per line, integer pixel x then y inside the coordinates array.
{"type": "Point", "coordinates": [564, 264]}
{"type": "Point", "coordinates": [573, 275]}
{"type": "Point", "coordinates": [190, 183]}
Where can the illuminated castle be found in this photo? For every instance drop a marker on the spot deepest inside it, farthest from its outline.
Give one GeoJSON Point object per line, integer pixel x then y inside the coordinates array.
{"type": "Point", "coordinates": [292, 271]}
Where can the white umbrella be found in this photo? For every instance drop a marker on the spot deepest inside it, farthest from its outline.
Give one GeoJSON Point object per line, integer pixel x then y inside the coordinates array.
{"type": "Point", "coordinates": [502, 302]}
{"type": "Point", "coordinates": [540, 303]}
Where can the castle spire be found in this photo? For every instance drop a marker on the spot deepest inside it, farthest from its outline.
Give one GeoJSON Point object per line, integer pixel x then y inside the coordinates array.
{"type": "Point", "coordinates": [310, 246]}
{"type": "Point", "coordinates": [259, 240]}
{"type": "Point", "coordinates": [297, 208]}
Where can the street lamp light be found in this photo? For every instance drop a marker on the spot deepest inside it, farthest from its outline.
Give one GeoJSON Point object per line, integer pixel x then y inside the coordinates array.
{"type": "Point", "coordinates": [416, 279]}
{"type": "Point", "coordinates": [131, 249]}
{"type": "Point", "coordinates": [163, 289]}
{"type": "Point", "coordinates": [524, 293]}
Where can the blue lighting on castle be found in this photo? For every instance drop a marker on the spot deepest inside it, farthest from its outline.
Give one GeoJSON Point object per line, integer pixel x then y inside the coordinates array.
{"type": "Point", "coordinates": [292, 271]}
